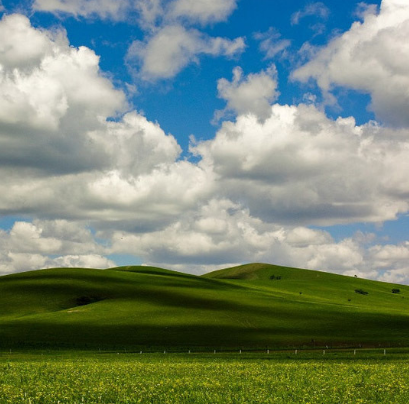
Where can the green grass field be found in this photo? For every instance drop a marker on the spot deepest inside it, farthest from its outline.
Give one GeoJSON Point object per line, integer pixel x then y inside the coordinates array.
{"type": "Point", "coordinates": [309, 377]}
{"type": "Point", "coordinates": [249, 307]}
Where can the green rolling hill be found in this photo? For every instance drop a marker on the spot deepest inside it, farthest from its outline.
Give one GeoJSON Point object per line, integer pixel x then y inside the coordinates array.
{"type": "Point", "coordinates": [251, 306]}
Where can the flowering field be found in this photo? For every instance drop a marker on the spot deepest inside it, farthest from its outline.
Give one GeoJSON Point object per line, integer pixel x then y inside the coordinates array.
{"type": "Point", "coordinates": [176, 378]}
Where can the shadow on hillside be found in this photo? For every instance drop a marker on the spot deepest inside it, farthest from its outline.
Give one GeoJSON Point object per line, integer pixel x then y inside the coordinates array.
{"type": "Point", "coordinates": [52, 292]}
{"type": "Point", "coordinates": [369, 329]}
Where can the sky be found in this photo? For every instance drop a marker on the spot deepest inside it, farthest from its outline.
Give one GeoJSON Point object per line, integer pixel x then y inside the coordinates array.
{"type": "Point", "coordinates": [201, 134]}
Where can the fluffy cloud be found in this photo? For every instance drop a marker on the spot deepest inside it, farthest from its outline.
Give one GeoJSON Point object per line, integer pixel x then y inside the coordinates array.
{"type": "Point", "coordinates": [29, 245]}
{"type": "Point", "coordinates": [223, 234]}
{"type": "Point", "coordinates": [49, 237]}
{"type": "Point", "coordinates": [114, 198]}
{"type": "Point", "coordinates": [140, 145]}
{"type": "Point", "coordinates": [20, 262]}
{"type": "Point", "coordinates": [149, 201]}
{"type": "Point", "coordinates": [391, 255]}
{"type": "Point", "coordinates": [214, 234]}
{"type": "Point", "coordinates": [81, 261]}
{"type": "Point", "coordinates": [251, 94]}
{"type": "Point", "coordinates": [171, 43]}
{"type": "Point", "coordinates": [61, 157]}
{"type": "Point", "coordinates": [168, 46]}
{"type": "Point", "coordinates": [391, 261]}
{"type": "Point", "coordinates": [373, 56]}
{"type": "Point", "coordinates": [51, 94]}
{"type": "Point", "coordinates": [21, 46]}
{"type": "Point", "coordinates": [174, 47]}
{"type": "Point", "coordinates": [298, 166]}
{"type": "Point", "coordinates": [85, 8]}
{"type": "Point", "coordinates": [219, 234]}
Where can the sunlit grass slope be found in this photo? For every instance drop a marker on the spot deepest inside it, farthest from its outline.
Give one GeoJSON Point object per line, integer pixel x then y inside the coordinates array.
{"type": "Point", "coordinates": [252, 306]}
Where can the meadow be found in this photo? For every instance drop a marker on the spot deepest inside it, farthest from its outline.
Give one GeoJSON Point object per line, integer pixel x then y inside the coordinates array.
{"type": "Point", "coordinates": [74, 336]}
{"type": "Point", "coordinates": [125, 378]}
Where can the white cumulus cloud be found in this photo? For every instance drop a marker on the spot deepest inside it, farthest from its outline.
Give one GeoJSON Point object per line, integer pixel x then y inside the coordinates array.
{"type": "Point", "coordinates": [222, 234]}
{"type": "Point", "coordinates": [49, 237]}
{"type": "Point", "coordinates": [299, 166]}
{"type": "Point", "coordinates": [373, 57]}
{"type": "Point", "coordinates": [62, 157]}
{"type": "Point", "coordinates": [174, 47]}
{"type": "Point", "coordinates": [81, 261]}
{"type": "Point", "coordinates": [249, 94]}
{"type": "Point", "coordinates": [51, 94]}
{"type": "Point", "coordinates": [53, 243]}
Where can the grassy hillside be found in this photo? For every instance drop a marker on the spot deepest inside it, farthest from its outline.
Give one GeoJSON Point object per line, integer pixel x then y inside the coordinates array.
{"type": "Point", "coordinates": [254, 305]}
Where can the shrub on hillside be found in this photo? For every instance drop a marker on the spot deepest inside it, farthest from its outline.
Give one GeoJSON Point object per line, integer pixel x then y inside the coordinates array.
{"type": "Point", "coordinates": [361, 292]}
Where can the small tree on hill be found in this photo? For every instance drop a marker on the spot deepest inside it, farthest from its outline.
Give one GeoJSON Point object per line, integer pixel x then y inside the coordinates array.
{"type": "Point", "coordinates": [361, 292]}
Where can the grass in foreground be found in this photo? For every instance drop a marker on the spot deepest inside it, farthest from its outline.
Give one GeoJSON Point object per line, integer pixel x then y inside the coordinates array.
{"type": "Point", "coordinates": [120, 379]}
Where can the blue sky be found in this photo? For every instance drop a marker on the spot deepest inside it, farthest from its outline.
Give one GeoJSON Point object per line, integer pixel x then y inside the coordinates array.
{"type": "Point", "coordinates": [196, 135]}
